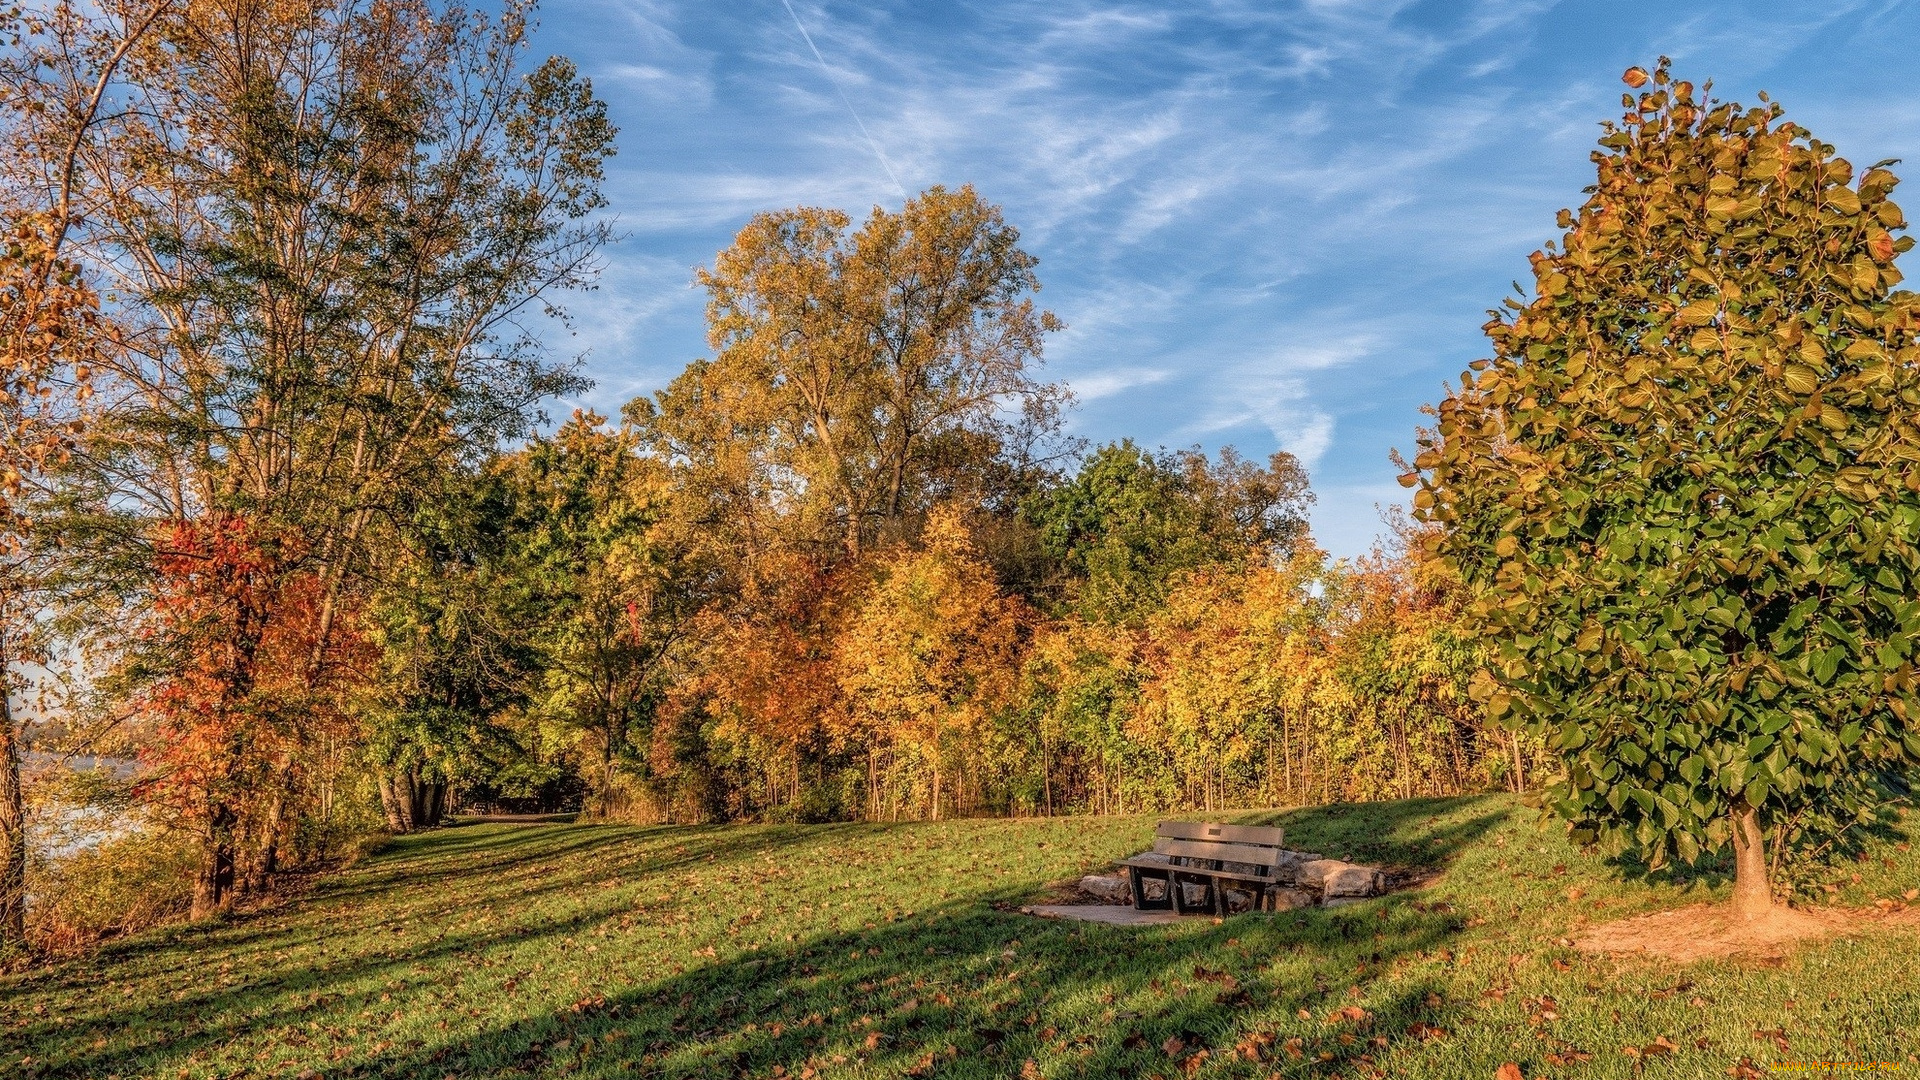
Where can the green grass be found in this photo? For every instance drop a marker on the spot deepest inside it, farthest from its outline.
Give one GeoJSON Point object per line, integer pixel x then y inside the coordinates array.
{"type": "Point", "coordinates": [875, 950]}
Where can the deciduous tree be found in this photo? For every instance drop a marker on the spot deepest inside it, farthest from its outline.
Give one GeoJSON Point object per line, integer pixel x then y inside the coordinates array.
{"type": "Point", "coordinates": [323, 226]}
{"type": "Point", "coordinates": [933, 649]}
{"type": "Point", "coordinates": [869, 374]}
{"type": "Point", "coordinates": [1687, 484]}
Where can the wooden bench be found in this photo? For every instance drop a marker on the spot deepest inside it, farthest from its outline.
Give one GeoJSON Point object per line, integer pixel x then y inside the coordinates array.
{"type": "Point", "coordinates": [1246, 857]}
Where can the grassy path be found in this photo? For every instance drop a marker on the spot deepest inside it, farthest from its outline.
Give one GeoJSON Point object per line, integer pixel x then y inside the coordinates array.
{"type": "Point", "coordinates": [869, 951]}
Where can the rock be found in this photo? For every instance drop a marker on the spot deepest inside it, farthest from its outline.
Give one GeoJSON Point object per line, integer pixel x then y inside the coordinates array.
{"type": "Point", "coordinates": [1313, 874]}
{"type": "Point", "coordinates": [1238, 900]}
{"type": "Point", "coordinates": [1334, 878]}
{"type": "Point", "coordinates": [1192, 894]}
{"type": "Point", "coordinates": [1288, 868]}
{"type": "Point", "coordinates": [1343, 901]}
{"type": "Point", "coordinates": [1291, 899]}
{"type": "Point", "coordinates": [1356, 881]}
{"type": "Point", "coordinates": [1112, 890]}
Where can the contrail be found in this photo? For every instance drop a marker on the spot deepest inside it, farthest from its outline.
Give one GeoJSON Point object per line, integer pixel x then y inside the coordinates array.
{"type": "Point", "coordinates": [847, 101]}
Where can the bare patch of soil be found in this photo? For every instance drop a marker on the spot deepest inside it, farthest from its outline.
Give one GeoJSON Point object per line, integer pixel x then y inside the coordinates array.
{"type": "Point", "coordinates": [1707, 931]}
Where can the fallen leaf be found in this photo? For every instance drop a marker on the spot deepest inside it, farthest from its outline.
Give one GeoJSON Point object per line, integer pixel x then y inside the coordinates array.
{"type": "Point", "coordinates": [1254, 1046]}
{"type": "Point", "coordinates": [1509, 1071]}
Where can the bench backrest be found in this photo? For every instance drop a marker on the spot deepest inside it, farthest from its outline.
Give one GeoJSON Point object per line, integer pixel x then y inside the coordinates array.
{"type": "Point", "coordinates": [1195, 843]}
{"type": "Point", "coordinates": [1258, 835]}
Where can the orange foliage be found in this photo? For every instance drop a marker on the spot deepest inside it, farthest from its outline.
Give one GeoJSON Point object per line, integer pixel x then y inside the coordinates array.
{"type": "Point", "coordinates": [244, 686]}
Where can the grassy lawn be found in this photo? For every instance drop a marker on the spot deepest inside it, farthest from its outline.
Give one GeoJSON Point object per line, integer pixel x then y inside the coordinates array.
{"type": "Point", "coordinates": [885, 950]}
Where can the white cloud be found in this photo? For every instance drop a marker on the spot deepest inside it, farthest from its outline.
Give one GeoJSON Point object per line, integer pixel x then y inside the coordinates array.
{"type": "Point", "coordinates": [1105, 384]}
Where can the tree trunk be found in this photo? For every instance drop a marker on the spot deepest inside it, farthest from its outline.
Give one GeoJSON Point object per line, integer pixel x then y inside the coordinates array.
{"type": "Point", "coordinates": [1752, 892]}
{"type": "Point", "coordinates": [389, 803]}
{"type": "Point", "coordinates": [425, 801]}
{"type": "Point", "coordinates": [13, 818]}
{"type": "Point", "coordinates": [264, 857]}
{"type": "Point", "coordinates": [396, 799]}
{"type": "Point", "coordinates": [213, 881]}
{"type": "Point", "coordinates": [936, 790]}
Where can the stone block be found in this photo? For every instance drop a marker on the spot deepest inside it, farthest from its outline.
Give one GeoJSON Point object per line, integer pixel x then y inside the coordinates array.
{"type": "Point", "coordinates": [1112, 890]}
{"type": "Point", "coordinates": [1334, 878]}
{"type": "Point", "coordinates": [1291, 899]}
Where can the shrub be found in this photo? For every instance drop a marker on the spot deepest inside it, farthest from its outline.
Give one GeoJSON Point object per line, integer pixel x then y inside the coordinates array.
{"type": "Point", "coordinates": [117, 886]}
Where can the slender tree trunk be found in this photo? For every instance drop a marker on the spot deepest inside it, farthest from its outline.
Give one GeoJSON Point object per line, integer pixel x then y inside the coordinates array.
{"type": "Point", "coordinates": [1286, 752]}
{"type": "Point", "coordinates": [13, 814]}
{"type": "Point", "coordinates": [1403, 749]}
{"type": "Point", "coordinates": [936, 789]}
{"type": "Point", "coordinates": [1046, 777]}
{"type": "Point", "coordinates": [1519, 765]}
{"type": "Point", "coordinates": [262, 856]}
{"type": "Point", "coordinates": [213, 881]}
{"type": "Point", "coordinates": [1752, 892]}
{"type": "Point", "coordinates": [606, 774]}
{"type": "Point", "coordinates": [264, 860]}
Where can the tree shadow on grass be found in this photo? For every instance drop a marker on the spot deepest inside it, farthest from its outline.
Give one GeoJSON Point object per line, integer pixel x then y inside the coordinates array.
{"type": "Point", "coordinates": [967, 991]}
{"type": "Point", "coordinates": [959, 990]}
{"type": "Point", "coordinates": [179, 1028]}
{"type": "Point", "coordinates": [1407, 832]}
{"type": "Point", "coordinates": [1714, 870]}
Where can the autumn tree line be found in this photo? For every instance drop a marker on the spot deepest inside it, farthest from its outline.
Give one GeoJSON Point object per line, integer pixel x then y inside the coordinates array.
{"type": "Point", "coordinates": [290, 550]}
{"type": "Point", "coordinates": [284, 539]}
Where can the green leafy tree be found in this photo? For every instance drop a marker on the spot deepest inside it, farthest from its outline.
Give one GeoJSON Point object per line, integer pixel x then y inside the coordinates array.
{"type": "Point", "coordinates": [1131, 521]}
{"type": "Point", "coordinates": [1688, 484]}
{"type": "Point", "coordinates": [448, 621]}
{"type": "Point", "coordinates": [616, 583]}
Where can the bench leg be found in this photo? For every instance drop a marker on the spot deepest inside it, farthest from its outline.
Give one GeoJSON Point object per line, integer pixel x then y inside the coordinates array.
{"type": "Point", "coordinates": [1138, 877]}
{"type": "Point", "coordinates": [1210, 906]}
{"type": "Point", "coordinates": [1177, 890]}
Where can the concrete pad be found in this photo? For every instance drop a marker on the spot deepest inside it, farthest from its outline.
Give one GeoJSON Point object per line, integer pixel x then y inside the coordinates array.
{"type": "Point", "coordinates": [1112, 914]}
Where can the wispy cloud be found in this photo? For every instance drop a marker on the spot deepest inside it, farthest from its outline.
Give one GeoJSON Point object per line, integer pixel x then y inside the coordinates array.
{"type": "Point", "coordinates": [842, 91]}
{"type": "Point", "coordinates": [1271, 222]}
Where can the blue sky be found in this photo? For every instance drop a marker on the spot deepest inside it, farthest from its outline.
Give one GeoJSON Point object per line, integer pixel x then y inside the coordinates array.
{"type": "Point", "coordinates": [1266, 224]}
